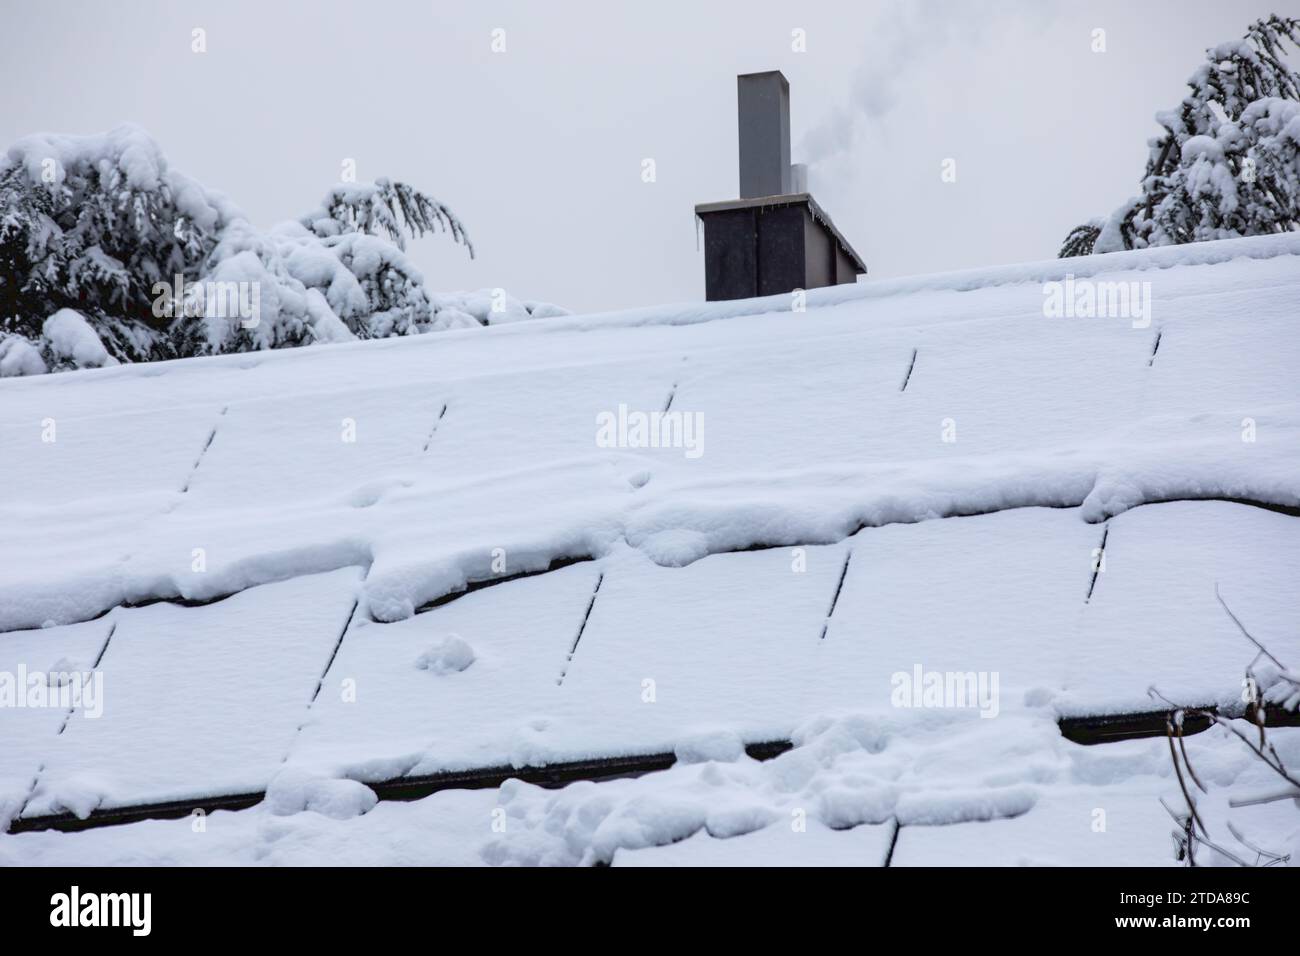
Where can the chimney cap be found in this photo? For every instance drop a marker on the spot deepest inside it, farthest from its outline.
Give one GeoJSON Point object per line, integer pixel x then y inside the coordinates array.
{"type": "Point", "coordinates": [746, 76]}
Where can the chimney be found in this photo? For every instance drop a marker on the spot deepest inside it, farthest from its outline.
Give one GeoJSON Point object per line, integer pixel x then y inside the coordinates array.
{"type": "Point", "coordinates": [774, 238]}
{"type": "Point", "coordinates": [763, 105]}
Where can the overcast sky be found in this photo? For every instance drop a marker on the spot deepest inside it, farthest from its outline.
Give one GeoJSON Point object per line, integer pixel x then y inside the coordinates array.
{"type": "Point", "coordinates": [540, 148]}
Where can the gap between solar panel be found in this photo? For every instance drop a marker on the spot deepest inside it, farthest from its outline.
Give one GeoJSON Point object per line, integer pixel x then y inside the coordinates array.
{"type": "Point", "coordinates": [893, 841]}
{"type": "Point", "coordinates": [908, 377]}
{"type": "Point", "coordinates": [1098, 562]}
{"type": "Point", "coordinates": [1291, 511]}
{"type": "Point", "coordinates": [581, 627]}
{"type": "Point", "coordinates": [1109, 728]}
{"type": "Point", "coordinates": [333, 654]}
{"type": "Point", "coordinates": [1083, 730]}
{"type": "Point", "coordinates": [672, 393]}
{"type": "Point", "coordinates": [557, 564]}
{"type": "Point", "coordinates": [204, 450]}
{"type": "Point", "coordinates": [434, 430]}
{"type": "Point", "coordinates": [844, 571]}
{"type": "Point", "coordinates": [179, 601]}
{"type": "Point", "coordinates": [563, 562]}
{"type": "Point", "coordinates": [400, 788]}
{"type": "Point", "coordinates": [94, 667]}
{"type": "Point", "coordinates": [1155, 347]}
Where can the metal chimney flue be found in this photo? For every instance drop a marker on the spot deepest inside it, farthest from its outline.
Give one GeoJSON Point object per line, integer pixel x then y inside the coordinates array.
{"type": "Point", "coordinates": [763, 114]}
{"type": "Point", "coordinates": [775, 238]}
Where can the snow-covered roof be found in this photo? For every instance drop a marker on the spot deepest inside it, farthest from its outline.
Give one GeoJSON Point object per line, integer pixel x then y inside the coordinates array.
{"type": "Point", "coordinates": [450, 554]}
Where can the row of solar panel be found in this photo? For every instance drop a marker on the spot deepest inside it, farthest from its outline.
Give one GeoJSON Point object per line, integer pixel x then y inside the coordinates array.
{"type": "Point", "coordinates": [1084, 378]}
{"type": "Point", "coordinates": [215, 699]}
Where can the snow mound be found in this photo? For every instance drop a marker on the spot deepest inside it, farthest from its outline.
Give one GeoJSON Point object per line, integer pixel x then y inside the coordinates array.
{"type": "Point", "coordinates": [451, 655]}
{"type": "Point", "coordinates": [844, 771]}
{"type": "Point", "coordinates": [295, 791]}
{"type": "Point", "coordinates": [20, 357]}
{"type": "Point", "coordinates": [488, 307]}
{"type": "Point", "coordinates": [70, 337]}
{"type": "Point", "coordinates": [721, 744]}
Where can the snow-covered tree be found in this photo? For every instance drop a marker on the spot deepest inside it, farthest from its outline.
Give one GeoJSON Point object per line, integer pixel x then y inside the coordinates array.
{"type": "Point", "coordinates": [1228, 162]}
{"type": "Point", "coordinates": [107, 255]}
{"type": "Point", "coordinates": [91, 223]}
{"type": "Point", "coordinates": [394, 208]}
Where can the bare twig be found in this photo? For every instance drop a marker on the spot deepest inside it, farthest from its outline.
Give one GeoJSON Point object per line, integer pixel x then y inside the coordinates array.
{"type": "Point", "coordinates": [1230, 855]}
{"type": "Point", "coordinates": [1289, 794]}
{"type": "Point", "coordinates": [1191, 804]}
{"type": "Point", "coordinates": [1272, 857]}
{"type": "Point", "coordinates": [1193, 827]}
{"type": "Point", "coordinates": [1182, 747]}
{"type": "Point", "coordinates": [1280, 771]}
{"type": "Point", "coordinates": [1241, 627]}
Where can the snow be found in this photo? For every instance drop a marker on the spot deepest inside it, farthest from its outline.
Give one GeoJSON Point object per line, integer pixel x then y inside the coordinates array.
{"type": "Point", "coordinates": [131, 153]}
{"type": "Point", "coordinates": [728, 642]}
{"type": "Point", "coordinates": [345, 445]}
{"type": "Point", "coordinates": [1163, 563]}
{"type": "Point", "coordinates": [450, 826]}
{"type": "Point", "coordinates": [380, 715]}
{"type": "Point", "coordinates": [19, 357]}
{"type": "Point", "coordinates": [159, 266]}
{"type": "Point", "coordinates": [721, 744]}
{"type": "Point", "coordinates": [71, 337]}
{"type": "Point", "coordinates": [545, 310]}
{"type": "Point", "coordinates": [737, 655]}
{"type": "Point", "coordinates": [1106, 810]}
{"type": "Point", "coordinates": [30, 732]}
{"type": "Point", "coordinates": [199, 701]}
{"type": "Point", "coordinates": [1050, 803]}
{"type": "Point", "coordinates": [777, 845]}
{"type": "Point", "coordinates": [1058, 832]}
{"type": "Point", "coordinates": [1225, 164]}
{"type": "Point", "coordinates": [313, 512]}
{"type": "Point", "coordinates": [292, 791]}
{"type": "Point", "coordinates": [447, 655]}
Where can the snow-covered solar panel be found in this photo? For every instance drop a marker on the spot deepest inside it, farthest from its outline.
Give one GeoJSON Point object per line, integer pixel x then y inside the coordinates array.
{"type": "Point", "coordinates": [1211, 357]}
{"type": "Point", "coordinates": [729, 642]}
{"type": "Point", "coordinates": [393, 702]}
{"type": "Point", "coordinates": [542, 421]}
{"type": "Point", "coordinates": [131, 460]}
{"type": "Point", "coordinates": [199, 701]}
{"type": "Point", "coordinates": [31, 717]}
{"type": "Point", "coordinates": [733, 642]}
{"type": "Point", "coordinates": [1154, 620]}
{"type": "Point", "coordinates": [71, 475]}
{"type": "Point", "coordinates": [966, 390]}
{"type": "Point", "coordinates": [790, 409]}
{"type": "Point", "coordinates": [353, 443]}
{"type": "Point", "coordinates": [669, 657]}
{"type": "Point", "coordinates": [1079, 825]}
{"type": "Point", "coordinates": [992, 594]}
{"type": "Point", "coordinates": [811, 553]}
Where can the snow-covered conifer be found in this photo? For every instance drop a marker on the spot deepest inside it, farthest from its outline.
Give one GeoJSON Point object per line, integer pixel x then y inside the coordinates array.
{"type": "Point", "coordinates": [1227, 163]}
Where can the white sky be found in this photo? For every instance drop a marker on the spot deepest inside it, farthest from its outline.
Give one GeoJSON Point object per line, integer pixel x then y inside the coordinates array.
{"type": "Point", "coordinates": [539, 149]}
